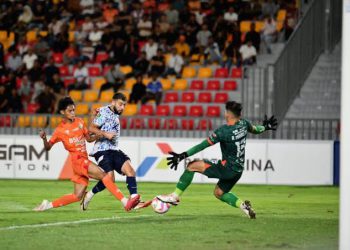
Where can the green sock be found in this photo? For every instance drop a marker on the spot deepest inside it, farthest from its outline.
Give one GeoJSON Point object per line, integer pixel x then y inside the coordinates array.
{"type": "Point", "coordinates": [231, 199]}
{"type": "Point", "coordinates": [185, 180]}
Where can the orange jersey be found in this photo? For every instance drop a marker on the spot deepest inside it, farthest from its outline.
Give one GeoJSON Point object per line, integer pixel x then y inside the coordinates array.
{"type": "Point", "coordinates": [72, 135]}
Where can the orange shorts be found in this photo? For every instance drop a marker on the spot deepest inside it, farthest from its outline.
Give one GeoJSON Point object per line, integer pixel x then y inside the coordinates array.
{"type": "Point", "coordinates": [80, 167]}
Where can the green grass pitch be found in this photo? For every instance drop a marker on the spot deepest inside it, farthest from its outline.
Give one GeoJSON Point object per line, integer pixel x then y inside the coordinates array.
{"type": "Point", "coordinates": [287, 218]}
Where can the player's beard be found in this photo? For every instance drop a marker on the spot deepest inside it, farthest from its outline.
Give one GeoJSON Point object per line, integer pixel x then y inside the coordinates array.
{"type": "Point", "coordinates": [116, 111]}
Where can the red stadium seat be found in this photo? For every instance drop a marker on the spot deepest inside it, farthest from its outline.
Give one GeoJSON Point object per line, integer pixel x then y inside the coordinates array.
{"type": "Point", "coordinates": [213, 111]}
{"type": "Point", "coordinates": [5, 121]}
{"type": "Point", "coordinates": [100, 57]}
{"type": "Point", "coordinates": [64, 70]}
{"type": "Point", "coordinates": [171, 97]}
{"type": "Point", "coordinates": [123, 123]}
{"type": "Point", "coordinates": [146, 110]}
{"type": "Point", "coordinates": [68, 81]}
{"type": "Point", "coordinates": [180, 110]}
{"type": "Point", "coordinates": [187, 124]}
{"type": "Point", "coordinates": [230, 85]}
{"type": "Point", "coordinates": [170, 124]}
{"type": "Point", "coordinates": [204, 97]}
{"type": "Point", "coordinates": [213, 85]}
{"type": "Point", "coordinates": [154, 123]}
{"type": "Point", "coordinates": [197, 85]}
{"type": "Point", "coordinates": [163, 110]}
{"type": "Point", "coordinates": [137, 123]}
{"type": "Point", "coordinates": [94, 71]}
{"type": "Point", "coordinates": [236, 73]}
{"type": "Point", "coordinates": [204, 124]}
{"type": "Point", "coordinates": [187, 97]}
{"type": "Point", "coordinates": [221, 97]}
{"type": "Point", "coordinates": [57, 57]}
{"type": "Point", "coordinates": [223, 72]}
{"type": "Point", "coordinates": [196, 111]}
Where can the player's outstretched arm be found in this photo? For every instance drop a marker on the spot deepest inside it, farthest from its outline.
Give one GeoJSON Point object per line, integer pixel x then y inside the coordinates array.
{"type": "Point", "coordinates": [42, 135]}
{"type": "Point", "coordinates": [175, 159]}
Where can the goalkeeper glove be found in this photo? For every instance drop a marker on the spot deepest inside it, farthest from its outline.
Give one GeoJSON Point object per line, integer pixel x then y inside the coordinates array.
{"type": "Point", "coordinates": [271, 123]}
{"type": "Point", "coordinates": [175, 159]}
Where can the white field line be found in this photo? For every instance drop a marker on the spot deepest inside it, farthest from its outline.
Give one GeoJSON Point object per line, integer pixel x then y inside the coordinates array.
{"type": "Point", "coordinates": [63, 223]}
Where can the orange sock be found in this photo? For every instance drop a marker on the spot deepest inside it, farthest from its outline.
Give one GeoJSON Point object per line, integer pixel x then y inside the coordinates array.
{"type": "Point", "coordinates": [65, 200]}
{"type": "Point", "coordinates": [112, 187]}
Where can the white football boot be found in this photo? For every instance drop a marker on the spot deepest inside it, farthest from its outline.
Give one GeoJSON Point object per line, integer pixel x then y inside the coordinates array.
{"type": "Point", "coordinates": [45, 205]}
{"type": "Point", "coordinates": [246, 207]}
{"type": "Point", "coordinates": [169, 198]}
{"type": "Point", "coordinates": [86, 200]}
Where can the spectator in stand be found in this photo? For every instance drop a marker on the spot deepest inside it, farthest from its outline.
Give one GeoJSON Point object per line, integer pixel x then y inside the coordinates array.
{"type": "Point", "coordinates": [203, 36]}
{"type": "Point", "coordinates": [80, 37]}
{"type": "Point", "coordinates": [248, 53]}
{"type": "Point", "coordinates": [182, 47]}
{"type": "Point", "coordinates": [88, 25]}
{"type": "Point", "coordinates": [15, 102]}
{"type": "Point", "coordinates": [3, 100]}
{"type": "Point", "coordinates": [137, 13]}
{"type": "Point", "coordinates": [269, 33]}
{"type": "Point", "coordinates": [101, 23]}
{"type": "Point", "coordinates": [175, 63]}
{"type": "Point", "coordinates": [10, 83]}
{"type": "Point", "coordinates": [14, 62]}
{"type": "Point", "coordinates": [172, 16]}
{"type": "Point", "coordinates": [212, 52]}
{"type": "Point", "coordinates": [269, 8]}
{"type": "Point", "coordinates": [87, 7]}
{"type": "Point", "coordinates": [158, 63]}
{"type": "Point", "coordinates": [150, 48]}
{"type": "Point", "coordinates": [42, 49]}
{"type": "Point", "coordinates": [87, 52]}
{"type": "Point", "coordinates": [95, 36]}
{"type": "Point", "coordinates": [163, 24]}
{"type": "Point", "coordinates": [55, 26]}
{"type": "Point", "coordinates": [172, 35]}
{"type": "Point", "coordinates": [57, 86]}
{"type": "Point", "coordinates": [60, 42]}
{"type": "Point", "coordinates": [22, 47]}
{"type": "Point", "coordinates": [39, 87]}
{"type": "Point", "coordinates": [163, 45]}
{"type": "Point", "coordinates": [81, 76]}
{"type": "Point", "coordinates": [109, 13]}
{"type": "Point", "coordinates": [141, 64]}
{"type": "Point", "coordinates": [253, 36]}
{"type": "Point", "coordinates": [46, 100]}
{"type": "Point", "coordinates": [50, 70]}
{"type": "Point", "coordinates": [35, 73]}
{"type": "Point", "coordinates": [119, 50]}
{"type": "Point", "coordinates": [114, 79]}
{"type": "Point", "coordinates": [138, 90]}
{"type": "Point", "coordinates": [231, 16]}
{"type": "Point", "coordinates": [29, 59]}
{"type": "Point", "coordinates": [39, 15]}
{"type": "Point", "coordinates": [26, 16]}
{"type": "Point", "coordinates": [154, 90]}
{"type": "Point", "coordinates": [144, 27]}
{"type": "Point", "coordinates": [71, 55]}
{"type": "Point", "coordinates": [232, 56]}
{"type": "Point", "coordinates": [25, 91]}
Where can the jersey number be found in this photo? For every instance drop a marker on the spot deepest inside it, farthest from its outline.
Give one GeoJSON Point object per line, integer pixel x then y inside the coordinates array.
{"type": "Point", "coordinates": [240, 148]}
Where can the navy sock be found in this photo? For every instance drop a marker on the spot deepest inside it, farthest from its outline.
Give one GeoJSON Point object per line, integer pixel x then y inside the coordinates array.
{"type": "Point", "coordinates": [98, 187]}
{"type": "Point", "coordinates": [131, 184]}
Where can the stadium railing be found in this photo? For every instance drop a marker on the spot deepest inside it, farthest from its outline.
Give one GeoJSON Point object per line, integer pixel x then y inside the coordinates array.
{"type": "Point", "coordinates": [200, 127]}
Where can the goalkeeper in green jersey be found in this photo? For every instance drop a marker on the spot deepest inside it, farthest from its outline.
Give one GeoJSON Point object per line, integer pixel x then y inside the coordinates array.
{"type": "Point", "coordinates": [232, 137]}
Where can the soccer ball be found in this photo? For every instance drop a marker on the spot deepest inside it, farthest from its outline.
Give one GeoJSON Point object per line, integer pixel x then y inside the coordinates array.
{"type": "Point", "coordinates": [159, 206]}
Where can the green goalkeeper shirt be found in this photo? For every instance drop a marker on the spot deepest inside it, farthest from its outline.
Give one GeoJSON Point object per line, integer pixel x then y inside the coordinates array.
{"type": "Point", "coordinates": [232, 140]}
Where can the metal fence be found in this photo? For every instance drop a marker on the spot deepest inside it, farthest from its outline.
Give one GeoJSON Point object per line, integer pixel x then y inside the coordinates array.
{"type": "Point", "coordinates": [288, 129]}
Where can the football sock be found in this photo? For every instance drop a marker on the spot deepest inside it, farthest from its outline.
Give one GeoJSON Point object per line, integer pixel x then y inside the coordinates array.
{"type": "Point", "coordinates": [184, 181]}
{"type": "Point", "coordinates": [65, 200]}
{"type": "Point", "coordinates": [112, 187]}
{"type": "Point", "coordinates": [231, 199]}
{"type": "Point", "coordinates": [98, 187]}
{"type": "Point", "coordinates": [131, 184]}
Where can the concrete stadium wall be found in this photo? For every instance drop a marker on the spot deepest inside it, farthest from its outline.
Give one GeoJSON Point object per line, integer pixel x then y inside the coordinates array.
{"type": "Point", "coordinates": [280, 162]}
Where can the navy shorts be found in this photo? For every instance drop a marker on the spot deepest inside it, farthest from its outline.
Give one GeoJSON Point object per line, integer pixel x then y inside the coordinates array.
{"type": "Point", "coordinates": [110, 160]}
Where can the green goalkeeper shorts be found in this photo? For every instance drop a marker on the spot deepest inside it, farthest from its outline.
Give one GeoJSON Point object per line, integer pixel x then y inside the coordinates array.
{"type": "Point", "coordinates": [226, 175]}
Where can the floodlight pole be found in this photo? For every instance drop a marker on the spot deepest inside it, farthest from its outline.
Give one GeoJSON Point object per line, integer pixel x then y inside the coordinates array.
{"type": "Point", "coordinates": [344, 217]}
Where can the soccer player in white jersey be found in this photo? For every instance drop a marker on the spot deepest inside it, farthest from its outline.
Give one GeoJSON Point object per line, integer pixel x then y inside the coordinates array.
{"type": "Point", "coordinates": [106, 151]}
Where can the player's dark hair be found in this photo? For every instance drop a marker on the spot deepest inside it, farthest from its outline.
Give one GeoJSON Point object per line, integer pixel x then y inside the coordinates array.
{"type": "Point", "coordinates": [64, 103]}
{"type": "Point", "coordinates": [119, 96]}
{"type": "Point", "coordinates": [234, 107]}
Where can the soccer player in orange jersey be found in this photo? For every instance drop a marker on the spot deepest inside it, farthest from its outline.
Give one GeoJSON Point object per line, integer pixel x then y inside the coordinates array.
{"type": "Point", "coordinates": [73, 133]}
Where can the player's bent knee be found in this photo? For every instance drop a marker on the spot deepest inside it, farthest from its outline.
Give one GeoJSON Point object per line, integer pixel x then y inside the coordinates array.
{"type": "Point", "coordinates": [196, 166]}
{"type": "Point", "coordinates": [218, 193]}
